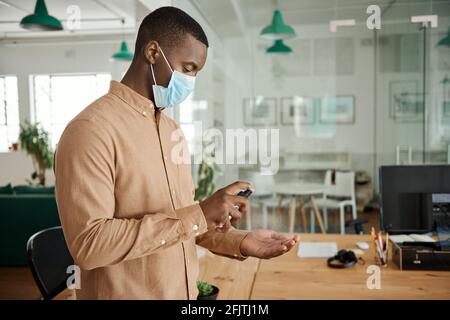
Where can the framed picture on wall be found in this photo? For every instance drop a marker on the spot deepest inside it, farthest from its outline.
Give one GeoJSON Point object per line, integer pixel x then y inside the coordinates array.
{"type": "Point", "coordinates": [446, 99]}
{"type": "Point", "coordinates": [409, 108]}
{"type": "Point", "coordinates": [260, 111]}
{"type": "Point", "coordinates": [297, 110]}
{"type": "Point", "coordinates": [406, 103]}
{"type": "Point", "coordinates": [337, 110]}
{"type": "Point", "coordinates": [446, 110]}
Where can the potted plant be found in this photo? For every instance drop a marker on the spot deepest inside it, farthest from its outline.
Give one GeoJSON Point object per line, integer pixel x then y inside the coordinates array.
{"type": "Point", "coordinates": [34, 140]}
{"type": "Point", "coordinates": [15, 146]}
{"type": "Point", "coordinates": [206, 173]}
{"type": "Point", "coordinates": [205, 186]}
{"type": "Point", "coordinates": [207, 291]}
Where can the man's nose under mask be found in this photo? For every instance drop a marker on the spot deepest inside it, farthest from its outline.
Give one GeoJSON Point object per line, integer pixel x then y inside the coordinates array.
{"type": "Point", "coordinates": [179, 88]}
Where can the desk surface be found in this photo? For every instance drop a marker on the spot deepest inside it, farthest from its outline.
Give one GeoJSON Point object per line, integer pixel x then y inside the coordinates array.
{"type": "Point", "coordinates": [289, 277]}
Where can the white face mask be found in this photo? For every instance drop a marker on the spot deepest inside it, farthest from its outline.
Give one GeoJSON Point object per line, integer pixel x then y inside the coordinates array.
{"type": "Point", "coordinates": [179, 88]}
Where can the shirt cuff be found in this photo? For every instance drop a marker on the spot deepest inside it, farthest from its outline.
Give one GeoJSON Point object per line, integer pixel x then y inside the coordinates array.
{"type": "Point", "coordinates": [236, 238]}
{"type": "Point", "coordinates": [193, 221]}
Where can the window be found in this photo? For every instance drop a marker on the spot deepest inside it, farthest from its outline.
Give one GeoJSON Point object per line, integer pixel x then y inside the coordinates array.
{"type": "Point", "coordinates": [9, 112]}
{"type": "Point", "coordinates": [193, 112]}
{"type": "Point", "coordinates": [59, 98]}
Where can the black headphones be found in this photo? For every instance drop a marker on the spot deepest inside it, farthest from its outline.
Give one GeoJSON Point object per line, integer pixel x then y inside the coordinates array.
{"type": "Point", "coordinates": [343, 259]}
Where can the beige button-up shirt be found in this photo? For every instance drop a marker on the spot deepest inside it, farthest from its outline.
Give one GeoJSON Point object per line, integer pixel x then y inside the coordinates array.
{"type": "Point", "coordinates": [126, 203]}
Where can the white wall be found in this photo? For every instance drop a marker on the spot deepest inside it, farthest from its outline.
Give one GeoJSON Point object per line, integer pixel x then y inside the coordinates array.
{"type": "Point", "coordinates": [24, 60]}
{"type": "Point", "coordinates": [16, 168]}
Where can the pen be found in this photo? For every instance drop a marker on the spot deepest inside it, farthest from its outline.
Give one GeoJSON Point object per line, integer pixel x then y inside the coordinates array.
{"type": "Point", "coordinates": [380, 250]}
{"type": "Point", "coordinates": [387, 245]}
{"type": "Point", "coordinates": [372, 232]}
{"type": "Point", "coordinates": [381, 247]}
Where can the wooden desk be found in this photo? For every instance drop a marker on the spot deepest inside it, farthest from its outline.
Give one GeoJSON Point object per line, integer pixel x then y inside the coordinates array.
{"type": "Point", "coordinates": [289, 277]}
{"type": "Point", "coordinates": [234, 278]}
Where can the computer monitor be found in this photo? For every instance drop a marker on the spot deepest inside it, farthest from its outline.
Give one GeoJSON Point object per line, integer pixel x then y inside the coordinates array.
{"type": "Point", "coordinates": [414, 198]}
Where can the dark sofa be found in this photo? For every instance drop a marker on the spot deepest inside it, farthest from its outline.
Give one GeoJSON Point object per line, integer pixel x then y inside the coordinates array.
{"type": "Point", "coordinates": [22, 215]}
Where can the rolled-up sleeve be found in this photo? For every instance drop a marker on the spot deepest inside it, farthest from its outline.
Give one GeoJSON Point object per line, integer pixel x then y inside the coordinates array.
{"type": "Point", "coordinates": [85, 175]}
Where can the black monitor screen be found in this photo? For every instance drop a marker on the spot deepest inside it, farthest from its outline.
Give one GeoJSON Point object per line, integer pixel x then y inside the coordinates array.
{"type": "Point", "coordinates": [409, 194]}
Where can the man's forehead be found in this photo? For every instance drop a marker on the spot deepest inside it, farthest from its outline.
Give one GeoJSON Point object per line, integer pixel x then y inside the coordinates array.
{"type": "Point", "coordinates": [191, 49]}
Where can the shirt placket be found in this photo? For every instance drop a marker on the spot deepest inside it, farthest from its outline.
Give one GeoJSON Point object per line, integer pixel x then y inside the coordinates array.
{"type": "Point", "coordinates": [173, 197]}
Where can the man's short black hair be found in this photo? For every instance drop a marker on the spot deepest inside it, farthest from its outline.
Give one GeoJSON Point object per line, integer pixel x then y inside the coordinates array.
{"type": "Point", "coordinates": [168, 26]}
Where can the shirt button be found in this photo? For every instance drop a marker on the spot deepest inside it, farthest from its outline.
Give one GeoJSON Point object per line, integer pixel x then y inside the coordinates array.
{"type": "Point", "coordinates": [197, 233]}
{"type": "Point", "coordinates": [163, 242]}
{"type": "Point", "coordinates": [195, 227]}
{"type": "Point", "coordinates": [144, 113]}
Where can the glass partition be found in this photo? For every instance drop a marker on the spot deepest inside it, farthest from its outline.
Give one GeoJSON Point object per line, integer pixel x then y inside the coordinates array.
{"type": "Point", "coordinates": [411, 90]}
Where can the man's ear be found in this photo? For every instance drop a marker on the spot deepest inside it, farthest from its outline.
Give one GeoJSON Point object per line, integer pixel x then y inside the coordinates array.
{"type": "Point", "coordinates": [151, 52]}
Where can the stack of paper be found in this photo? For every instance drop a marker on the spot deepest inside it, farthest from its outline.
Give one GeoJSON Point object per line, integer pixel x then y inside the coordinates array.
{"type": "Point", "coordinates": [317, 249]}
{"type": "Point", "coordinates": [411, 238]}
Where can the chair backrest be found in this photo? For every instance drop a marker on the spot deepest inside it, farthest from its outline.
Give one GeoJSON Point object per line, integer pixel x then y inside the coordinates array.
{"type": "Point", "coordinates": [263, 183]}
{"type": "Point", "coordinates": [328, 180]}
{"type": "Point", "coordinates": [49, 258]}
{"type": "Point", "coordinates": [345, 184]}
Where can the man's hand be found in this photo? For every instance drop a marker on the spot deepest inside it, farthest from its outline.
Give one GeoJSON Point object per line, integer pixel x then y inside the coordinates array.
{"type": "Point", "coordinates": [266, 244]}
{"type": "Point", "coordinates": [225, 207]}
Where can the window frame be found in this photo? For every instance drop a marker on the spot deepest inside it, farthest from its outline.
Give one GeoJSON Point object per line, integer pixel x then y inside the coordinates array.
{"type": "Point", "coordinates": [35, 114]}
{"type": "Point", "coordinates": [5, 108]}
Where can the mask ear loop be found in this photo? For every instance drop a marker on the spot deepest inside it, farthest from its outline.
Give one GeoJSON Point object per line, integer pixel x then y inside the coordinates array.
{"type": "Point", "coordinates": [151, 66]}
{"type": "Point", "coordinates": [153, 74]}
{"type": "Point", "coordinates": [164, 56]}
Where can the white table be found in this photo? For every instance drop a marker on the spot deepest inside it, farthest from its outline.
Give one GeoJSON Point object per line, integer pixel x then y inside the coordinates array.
{"type": "Point", "coordinates": [299, 191]}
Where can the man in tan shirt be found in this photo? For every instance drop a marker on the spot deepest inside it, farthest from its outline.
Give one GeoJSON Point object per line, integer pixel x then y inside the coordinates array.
{"type": "Point", "coordinates": [126, 205]}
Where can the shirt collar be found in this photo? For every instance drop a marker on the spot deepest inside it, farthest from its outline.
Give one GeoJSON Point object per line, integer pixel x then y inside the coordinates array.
{"type": "Point", "coordinates": [138, 102]}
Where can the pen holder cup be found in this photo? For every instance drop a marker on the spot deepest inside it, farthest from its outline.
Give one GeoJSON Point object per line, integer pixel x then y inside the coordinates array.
{"type": "Point", "coordinates": [381, 261]}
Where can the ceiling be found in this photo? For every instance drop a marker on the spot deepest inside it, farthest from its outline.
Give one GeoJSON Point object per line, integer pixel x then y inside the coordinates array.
{"type": "Point", "coordinates": [97, 16]}
{"type": "Point", "coordinates": [229, 18]}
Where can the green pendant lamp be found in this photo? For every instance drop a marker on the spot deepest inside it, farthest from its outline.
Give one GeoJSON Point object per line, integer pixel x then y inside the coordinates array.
{"type": "Point", "coordinates": [445, 42]}
{"type": "Point", "coordinates": [278, 29]}
{"type": "Point", "coordinates": [40, 20]}
{"type": "Point", "coordinates": [279, 47]}
{"type": "Point", "coordinates": [123, 54]}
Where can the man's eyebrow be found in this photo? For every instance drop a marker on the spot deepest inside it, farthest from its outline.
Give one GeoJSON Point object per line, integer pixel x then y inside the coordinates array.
{"type": "Point", "coordinates": [193, 64]}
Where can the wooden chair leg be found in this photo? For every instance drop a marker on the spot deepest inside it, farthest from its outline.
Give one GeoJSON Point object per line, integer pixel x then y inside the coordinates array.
{"type": "Point", "coordinates": [292, 209]}
{"type": "Point", "coordinates": [318, 216]}
{"type": "Point", "coordinates": [342, 218]}
{"type": "Point", "coordinates": [278, 211]}
{"type": "Point", "coordinates": [312, 221]}
{"type": "Point", "coordinates": [303, 213]}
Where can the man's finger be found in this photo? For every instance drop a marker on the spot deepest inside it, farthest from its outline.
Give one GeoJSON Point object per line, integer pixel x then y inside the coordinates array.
{"type": "Point", "coordinates": [224, 224]}
{"type": "Point", "coordinates": [292, 241]}
{"type": "Point", "coordinates": [238, 186]}
{"type": "Point", "coordinates": [275, 250]}
{"type": "Point", "coordinates": [279, 236]}
{"type": "Point", "coordinates": [234, 213]}
{"type": "Point", "coordinates": [242, 203]}
{"type": "Point", "coordinates": [289, 244]}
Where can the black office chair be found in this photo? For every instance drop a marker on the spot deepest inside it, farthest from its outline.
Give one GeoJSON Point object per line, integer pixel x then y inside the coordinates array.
{"type": "Point", "coordinates": [357, 225]}
{"type": "Point", "coordinates": [49, 258]}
